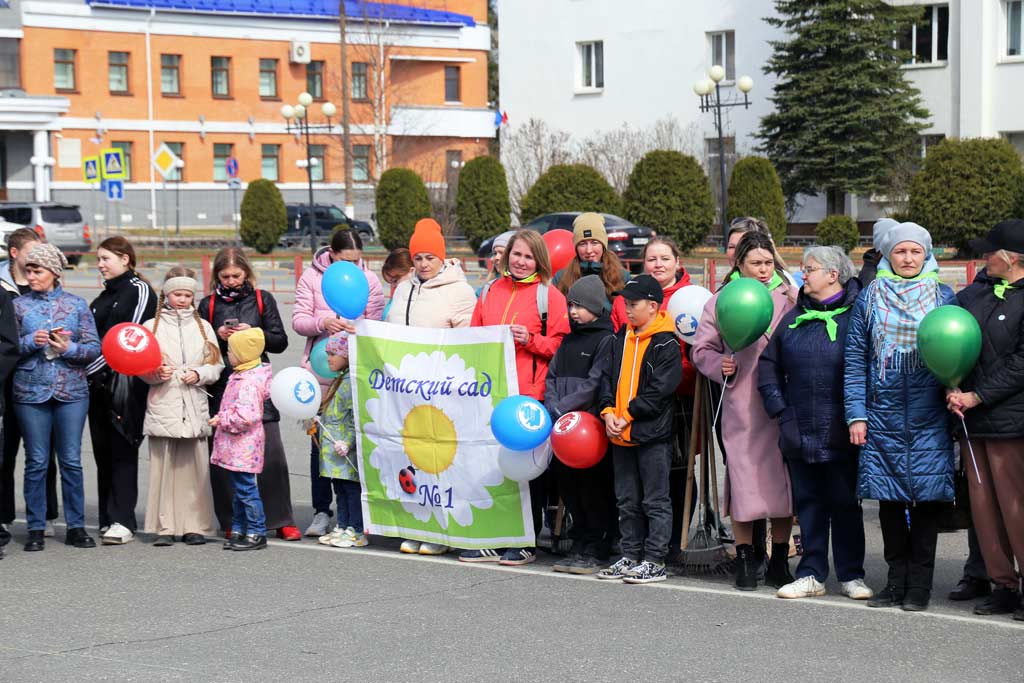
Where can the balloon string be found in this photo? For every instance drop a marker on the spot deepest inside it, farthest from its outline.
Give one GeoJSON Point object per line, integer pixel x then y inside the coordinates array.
{"type": "Point", "coordinates": [721, 399]}
{"type": "Point", "coordinates": [324, 432]}
{"type": "Point", "coordinates": [970, 448]}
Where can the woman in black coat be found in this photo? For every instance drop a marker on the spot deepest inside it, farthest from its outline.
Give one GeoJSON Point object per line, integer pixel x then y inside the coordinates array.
{"type": "Point", "coordinates": [800, 378]}
{"type": "Point", "coordinates": [991, 399]}
{"type": "Point", "coordinates": [235, 305]}
{"type": "Point", "coordinates": [117, 404]}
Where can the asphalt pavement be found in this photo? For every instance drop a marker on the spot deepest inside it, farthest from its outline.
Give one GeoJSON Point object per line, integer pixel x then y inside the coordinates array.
{"type": "Point", "coordinates": [305, 612]}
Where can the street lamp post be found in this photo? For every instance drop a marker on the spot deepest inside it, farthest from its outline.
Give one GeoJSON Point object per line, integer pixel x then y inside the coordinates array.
{"type": "Point", "coordinates": [297, 120]}
{"type": "Point", "coordinates": [709, 90]}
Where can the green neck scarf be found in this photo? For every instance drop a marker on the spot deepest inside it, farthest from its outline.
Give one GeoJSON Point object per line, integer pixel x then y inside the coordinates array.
{"type": "Point", "coordinates": [889, 275]}
{"type": "Point", "coordinates": [772, 284]}
{"type": "Point", "coordinates": [529, 279]}
{"type": "Point", "coordinates": [828, 317]}
{"type": "Point", "coordinates": [999, 289]}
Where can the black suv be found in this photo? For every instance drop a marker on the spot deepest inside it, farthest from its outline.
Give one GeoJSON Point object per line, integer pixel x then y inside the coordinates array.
{"type": "Point", "coordinates": [326, 218]}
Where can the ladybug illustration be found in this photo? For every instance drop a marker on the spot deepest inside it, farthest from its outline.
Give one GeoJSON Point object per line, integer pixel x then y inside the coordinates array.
{"type": "Point", "coordinates": [406, 479]}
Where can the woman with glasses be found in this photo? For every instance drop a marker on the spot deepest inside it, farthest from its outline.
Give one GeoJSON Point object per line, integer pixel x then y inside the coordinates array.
{"type": "Point", "coordinates": [800, 377]}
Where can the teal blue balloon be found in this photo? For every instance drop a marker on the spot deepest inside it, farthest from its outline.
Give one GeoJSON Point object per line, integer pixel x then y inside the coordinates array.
{"type": "Point", "coordinates": [744, 310]}
{"type": "Point", "coordinates": [318, 360]}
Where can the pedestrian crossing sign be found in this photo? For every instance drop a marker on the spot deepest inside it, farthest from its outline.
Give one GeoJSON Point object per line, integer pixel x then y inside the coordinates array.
{"type": "Point", "coordinates": [112, 164]}
{"type": "Point", "coordinates": [91, 169]}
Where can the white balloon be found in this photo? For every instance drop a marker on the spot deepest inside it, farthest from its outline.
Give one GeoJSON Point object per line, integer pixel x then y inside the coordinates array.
{"type": "Point", "coordinates": [524, 465]}
{"type": "Point", "coordinates": [296, 393]}
{"type": "Point", "coordinates": [686, 307]}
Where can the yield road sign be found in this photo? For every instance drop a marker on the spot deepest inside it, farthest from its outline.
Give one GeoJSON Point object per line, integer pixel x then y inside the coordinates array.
{"type": "Point", "coordinates": [91, 169]}
{"type": "Point", "coordinates": [232, 167]}
{"type": "Point", "coordinates": [164, 160]}
{"type": "Point", "coordinates": [115, 190]}
{"type": "Point", "coordinates": [112, 164]}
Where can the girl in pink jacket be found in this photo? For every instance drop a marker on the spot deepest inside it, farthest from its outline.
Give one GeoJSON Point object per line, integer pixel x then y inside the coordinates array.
{"type": "Point", "coordinates": [239, 439]}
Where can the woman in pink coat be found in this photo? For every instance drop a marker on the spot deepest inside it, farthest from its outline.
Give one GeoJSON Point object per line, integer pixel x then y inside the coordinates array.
{"type": "Point", "coordinates": [757, 482]}
{"type": "Point", "coordinates": [314, 319]}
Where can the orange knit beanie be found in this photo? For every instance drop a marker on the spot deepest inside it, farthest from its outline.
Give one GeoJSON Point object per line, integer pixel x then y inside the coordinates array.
{"type": "Point", "coordinates": [427, 238]}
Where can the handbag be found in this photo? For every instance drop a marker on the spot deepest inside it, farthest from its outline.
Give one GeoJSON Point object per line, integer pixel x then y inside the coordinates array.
{"type": "Point", "coordinates": [126, 406]}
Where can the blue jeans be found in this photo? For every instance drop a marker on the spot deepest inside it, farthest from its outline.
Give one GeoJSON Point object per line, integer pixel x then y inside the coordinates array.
{"type": "Point", "coordinates": [66, 422]}
{"type": "Point", "coordinates": [350, 507]}
{"type": "Point", "coordinates": [246, 507]}
{"type": "Point", "coordinates": [320, 487]}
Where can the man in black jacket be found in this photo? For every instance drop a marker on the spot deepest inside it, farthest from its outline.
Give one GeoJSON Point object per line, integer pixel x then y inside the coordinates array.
{"type": "Point", "coordinates": [637, 407]}
{"type": "Point", "coordinates": [8, 357]}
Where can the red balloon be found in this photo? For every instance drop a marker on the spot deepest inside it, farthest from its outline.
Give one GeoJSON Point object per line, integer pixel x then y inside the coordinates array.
{"type": "Point", "coordinates": [579, 440]}
{"type": "Point", "coordinates": [131, 349]}
{"type": "Point", "coordinates": [560, 248]}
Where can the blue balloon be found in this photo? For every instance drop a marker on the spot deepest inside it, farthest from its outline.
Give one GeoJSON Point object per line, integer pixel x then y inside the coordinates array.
{"type": "Point", "coordinates": [520, 423]}
{"type": "Point", "coordinates": [318, 360]}
{"type": "Point", "coordinates": [345, 289]}
{"type": "Point", "coordinates": [798, 278]}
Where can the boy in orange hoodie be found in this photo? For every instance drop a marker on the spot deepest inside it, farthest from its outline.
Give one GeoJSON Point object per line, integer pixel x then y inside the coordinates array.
{"type": "Point", "coordinates": [637, 407]}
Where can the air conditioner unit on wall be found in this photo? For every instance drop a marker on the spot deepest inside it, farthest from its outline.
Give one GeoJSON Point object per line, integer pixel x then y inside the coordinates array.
{"type": "Point", "coordinates": [299, 53]}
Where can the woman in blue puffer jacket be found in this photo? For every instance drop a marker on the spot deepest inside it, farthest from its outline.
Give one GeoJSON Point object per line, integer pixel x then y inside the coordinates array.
{"type": "Point", "coordinates": [895, 409]}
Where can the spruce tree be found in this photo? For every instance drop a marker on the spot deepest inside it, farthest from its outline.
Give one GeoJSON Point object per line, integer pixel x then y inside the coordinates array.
{"type": "Point", "coordinates": [844, 114]}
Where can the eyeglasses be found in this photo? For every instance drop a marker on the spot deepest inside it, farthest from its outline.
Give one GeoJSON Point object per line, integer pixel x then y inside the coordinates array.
{"type": "Point", "coordinates": [806, 270]}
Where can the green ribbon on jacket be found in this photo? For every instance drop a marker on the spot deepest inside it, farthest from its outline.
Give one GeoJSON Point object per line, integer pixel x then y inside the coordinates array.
{"type": "Point", "coordinates": [771, 284]}
{"type": "Point", "coordinates": [1000, 288]}
{"type": "Point", "coordinates": [828, 317]}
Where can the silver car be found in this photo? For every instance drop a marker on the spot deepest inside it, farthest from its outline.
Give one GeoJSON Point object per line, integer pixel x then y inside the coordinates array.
{"type": "Point", "coordinates": [60, 224]}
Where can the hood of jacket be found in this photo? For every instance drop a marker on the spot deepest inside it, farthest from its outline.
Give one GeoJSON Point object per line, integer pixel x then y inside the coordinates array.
{"type": "Point", "coordinates": [682, 280]}
{"type": "Point", "coordinates": [322, 259]}
{"type": "Point", "coordinates": [602, 325]}
{"type": "Point", "coordinates": [452, 272]}
{"type": "Point", "coordinates": [662, 323]}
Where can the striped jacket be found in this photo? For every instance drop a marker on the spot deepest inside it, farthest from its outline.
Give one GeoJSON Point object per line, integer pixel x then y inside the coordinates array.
{"type": "Point", "coordinates": [126, 298]}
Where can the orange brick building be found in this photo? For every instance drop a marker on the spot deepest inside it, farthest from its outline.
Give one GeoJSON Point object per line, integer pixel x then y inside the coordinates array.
{"type": "Point", "coordinates": [209, 78]}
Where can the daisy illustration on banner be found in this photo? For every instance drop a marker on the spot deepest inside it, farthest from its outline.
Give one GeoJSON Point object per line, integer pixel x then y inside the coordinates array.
{"type": "Point", "coordinates": [432, 451]}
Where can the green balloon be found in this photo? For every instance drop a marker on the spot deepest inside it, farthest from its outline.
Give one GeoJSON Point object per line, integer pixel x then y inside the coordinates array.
{"type": "Point", "coordinates": [949, 341]}
{"type": "Point", "coordinates": [744, 310]}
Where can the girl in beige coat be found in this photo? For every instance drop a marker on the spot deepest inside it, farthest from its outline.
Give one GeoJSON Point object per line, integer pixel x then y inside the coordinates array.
{"type": "Point", "coordinates": [177, 414]}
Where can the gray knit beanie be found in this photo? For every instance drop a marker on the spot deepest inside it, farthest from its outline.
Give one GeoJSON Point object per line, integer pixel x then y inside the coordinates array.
{"type": "Point", "coordinates": [588, 292]}
{"type": "Point", "coordinates": [906, 232]}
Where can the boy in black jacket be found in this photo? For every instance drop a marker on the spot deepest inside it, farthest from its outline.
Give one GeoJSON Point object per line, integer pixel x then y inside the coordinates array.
{"type": "Point", "coordinates": [574, 383]}
{"type": "Point", "coordinates": [636, 404]}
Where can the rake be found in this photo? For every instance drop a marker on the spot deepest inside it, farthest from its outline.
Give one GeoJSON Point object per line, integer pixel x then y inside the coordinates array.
{"type": "Point", "coordinates": [702, 551]}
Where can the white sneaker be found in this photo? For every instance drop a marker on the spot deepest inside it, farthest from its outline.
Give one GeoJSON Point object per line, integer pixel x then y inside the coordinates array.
{"type": "Point", "coordinates": [48, 531]}
{"type": "Point", "coordinates": [433, 549]}
{"type": "Point", "coordinates": [804, 587]}
{"type": "Point", "coordinates": [856, 589]}
{"type": "Point", "coordinates": [117, 534]}
{"type": "Point", "coordinates": [336, 532]}
{"type": "Point", "coordinates": [410, 547]}
{"type": "Point", "coordinates": [350, 538]}
{"type": "Point", "coordinates": [318, 527]}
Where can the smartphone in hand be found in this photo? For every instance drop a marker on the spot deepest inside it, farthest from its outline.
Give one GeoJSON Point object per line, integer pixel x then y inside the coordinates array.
{"type": "Point", "coordinates": [55, 333]}
{"type": "Point", "coordinates": [231, 323]}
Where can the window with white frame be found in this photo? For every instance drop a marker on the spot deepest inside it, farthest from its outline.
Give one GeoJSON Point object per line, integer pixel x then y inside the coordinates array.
{"type": "Point", "coordinates": [722, 52]}
{"type": "Point", "coordinates": [927, 40]}
{"type": "Point", "coordinates": [1014, 38]}
{"type": "Point", "coordinates": [590, 65]}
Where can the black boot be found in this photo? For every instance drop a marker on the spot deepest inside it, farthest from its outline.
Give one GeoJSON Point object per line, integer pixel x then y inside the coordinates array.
{"type": "Point", "coordinates": [36, 541]}
{"type": "Point", "coordinates": [250, 542]}
{"type": "Point", "coordinates": [79, 538]}
{"type": "Point", "coordinates": [778, 574]}
{"type": "Point", "coordinates": [916, 600]}
{"type": "Point", "coordinates": [760, 545]}
{"type": "Point", "coordinates": [746, 568]}
{"type": "Point", "coordinates": [970, 588]}
{"type": "Point", "coordinates": [1002, 601]}
{"type": "Point", "coordinates": [233, 538]}
{"type": "Point", "coordinates": [890, 596]}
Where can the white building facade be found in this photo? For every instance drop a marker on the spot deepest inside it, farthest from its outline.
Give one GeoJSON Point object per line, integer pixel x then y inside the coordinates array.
{"type": "Point", "coordinates": [589, 65]}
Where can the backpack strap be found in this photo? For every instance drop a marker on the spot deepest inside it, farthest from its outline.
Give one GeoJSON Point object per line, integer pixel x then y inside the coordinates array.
{"type": "Point", "coordinates": [213, 298]}
{"type": "Point", "coordinates": [542, 308]}
{"type": "Point", "coordinates": [259, 302]}
{"type": "Point", "coordinates": [486, 288]}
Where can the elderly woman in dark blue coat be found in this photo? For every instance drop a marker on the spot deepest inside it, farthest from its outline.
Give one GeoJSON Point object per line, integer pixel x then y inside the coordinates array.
{"type": "Point", "coordinates": [895, 409]}
{"type": "Point", "coordinates": [800, 377]}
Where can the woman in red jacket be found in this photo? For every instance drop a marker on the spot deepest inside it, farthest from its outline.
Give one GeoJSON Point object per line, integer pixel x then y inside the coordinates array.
{"type": "Point", "coordinates": [512, 300]}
